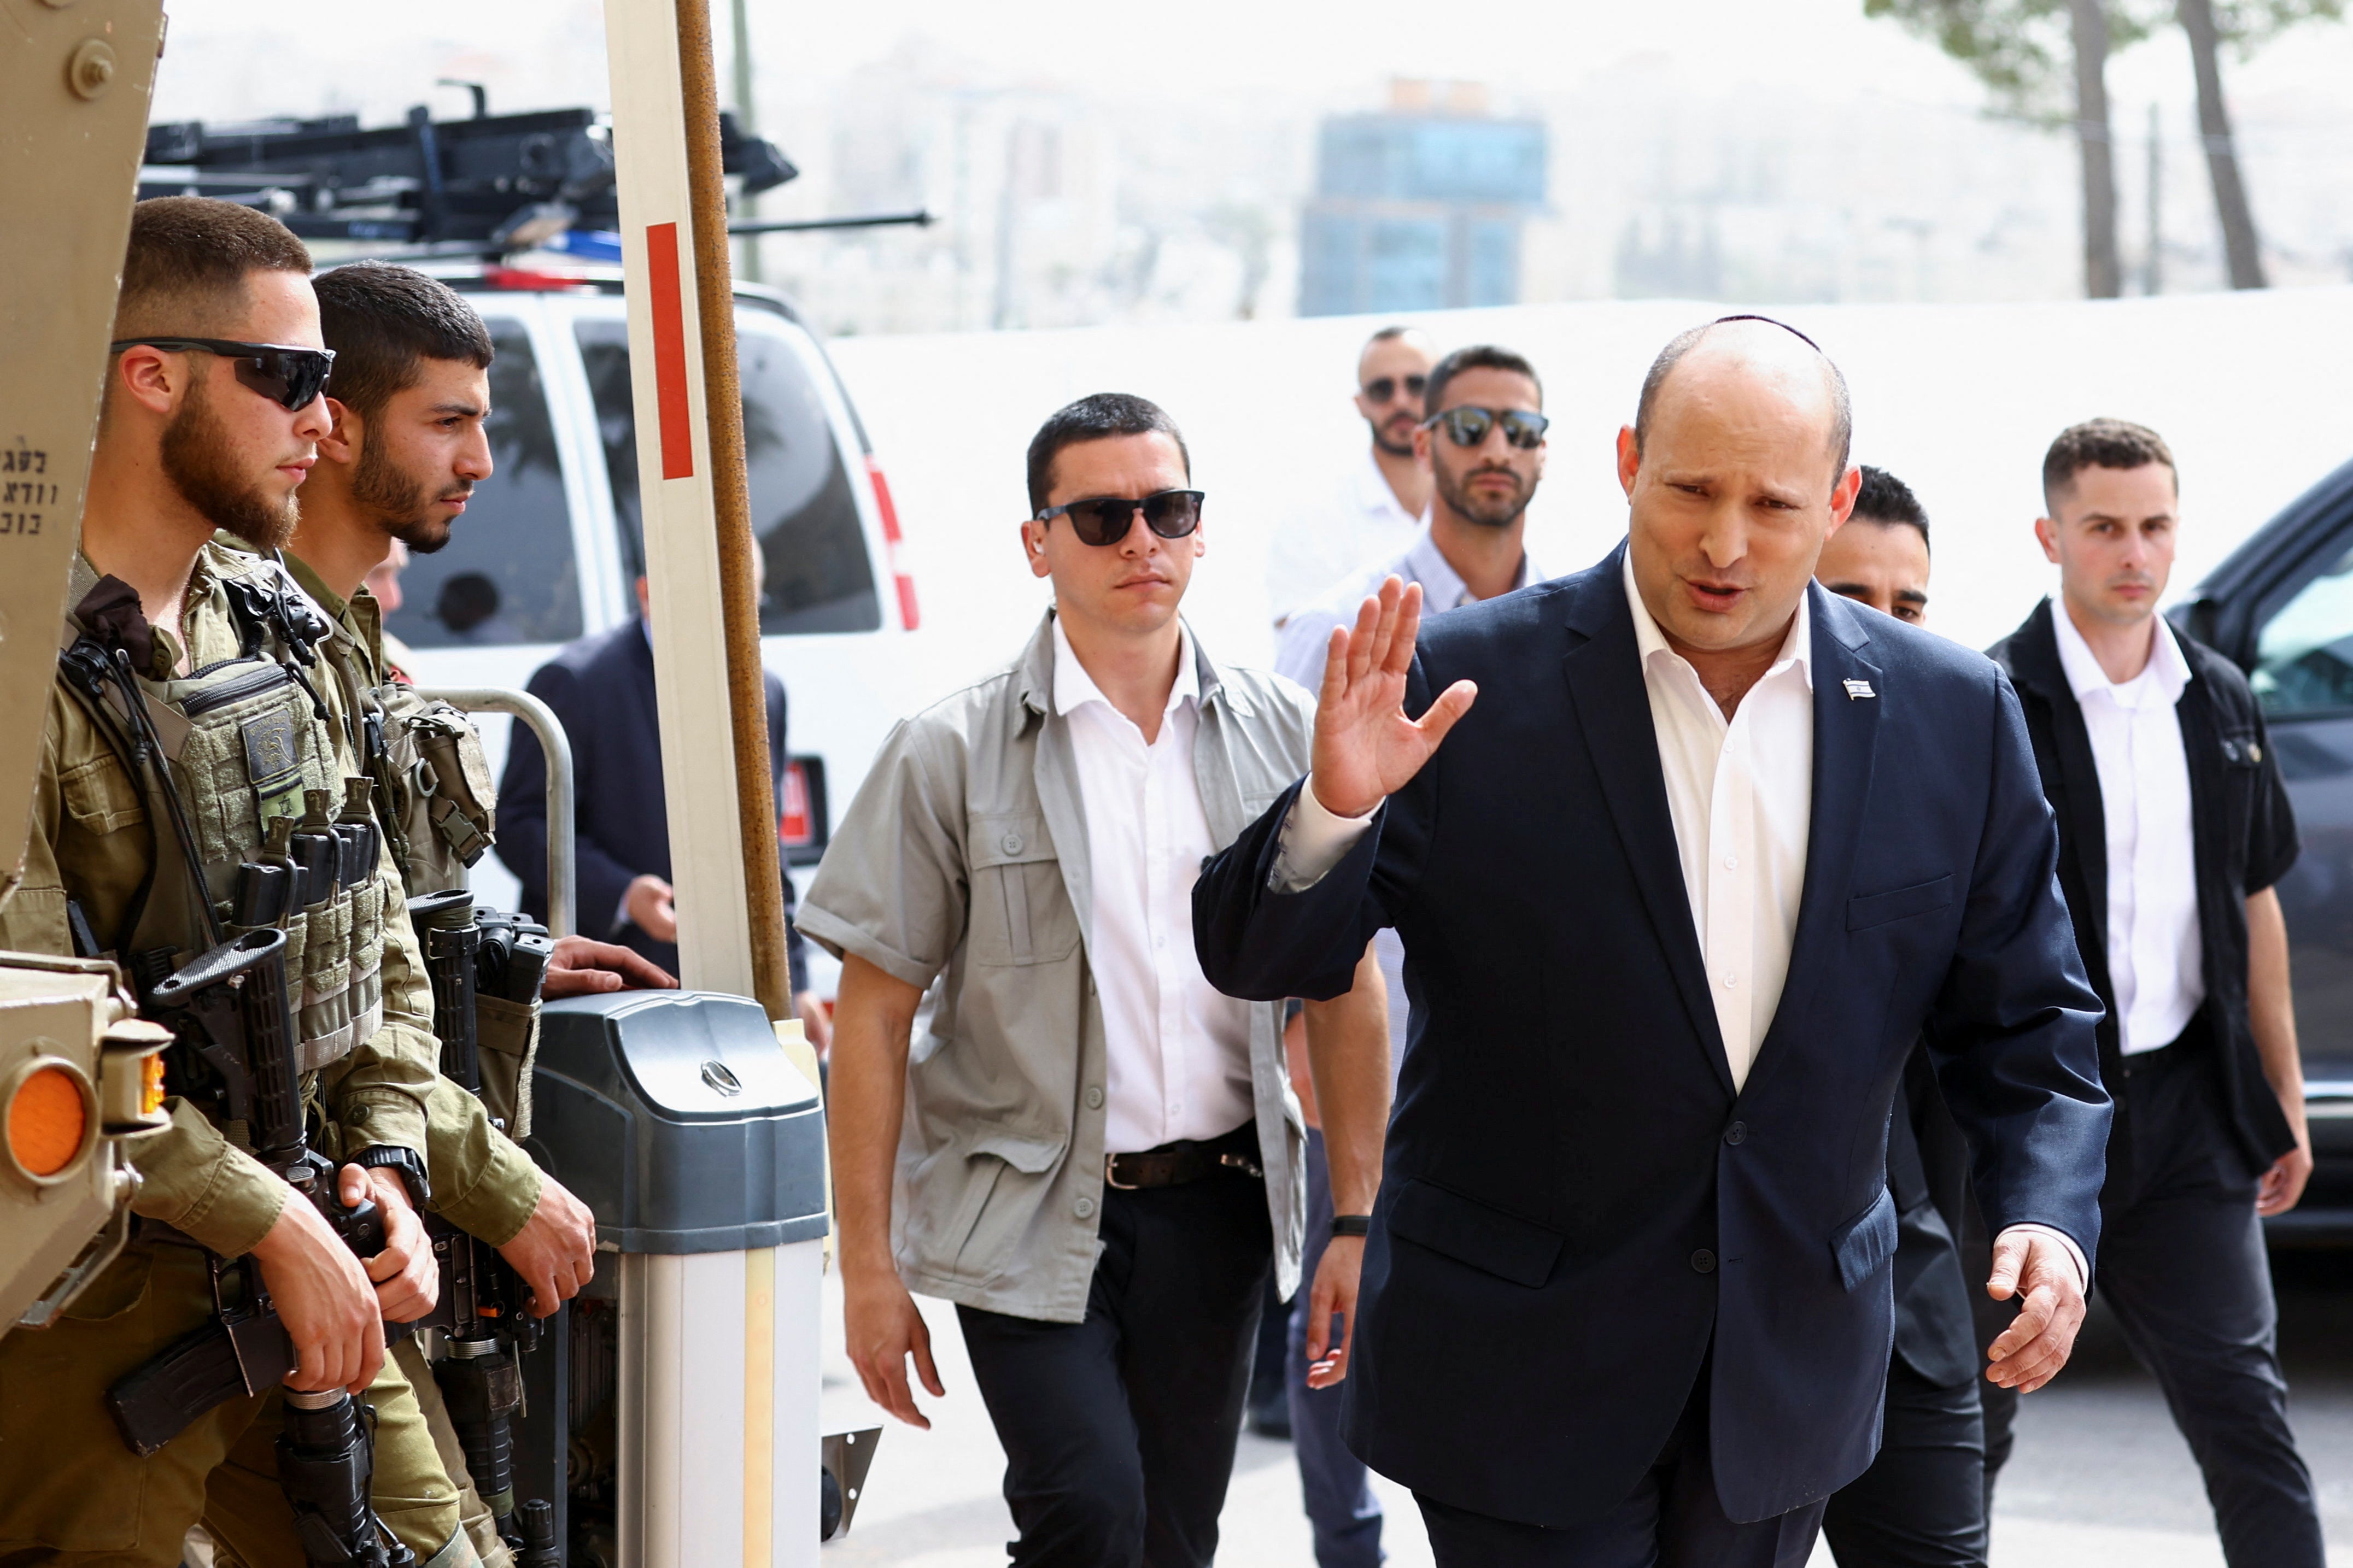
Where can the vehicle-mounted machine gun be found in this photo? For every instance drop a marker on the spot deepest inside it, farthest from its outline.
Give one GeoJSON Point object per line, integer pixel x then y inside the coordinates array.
{"type": "Point", "coordinates": [488, 185]}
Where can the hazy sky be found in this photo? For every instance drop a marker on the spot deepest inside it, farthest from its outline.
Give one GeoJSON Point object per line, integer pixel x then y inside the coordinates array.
{"type": "Point", "coordinates": [241, 56]}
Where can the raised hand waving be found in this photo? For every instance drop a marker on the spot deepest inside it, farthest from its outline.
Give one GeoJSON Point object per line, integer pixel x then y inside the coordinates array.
{"type": "Point", "coordinates": [1365, 747]}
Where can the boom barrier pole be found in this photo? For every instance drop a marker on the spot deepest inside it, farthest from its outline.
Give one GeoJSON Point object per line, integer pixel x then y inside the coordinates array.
{"type": "Point", "coordinates": [719, 1460]}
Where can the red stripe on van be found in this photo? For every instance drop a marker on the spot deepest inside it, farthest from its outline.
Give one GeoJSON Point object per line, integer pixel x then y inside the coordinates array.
{"type": "Point", "coordinates": [669, 353]}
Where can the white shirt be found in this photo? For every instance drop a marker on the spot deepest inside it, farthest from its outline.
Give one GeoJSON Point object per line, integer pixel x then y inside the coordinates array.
{"type": "Point", "coordinates": [1742, 795]}
{"type": "Point", "coordinates": [1179, 1048]}
{"type": "Point", "coordinates": [1362, 521]}
{"type": "Point", "coordinates": [2155, 959]}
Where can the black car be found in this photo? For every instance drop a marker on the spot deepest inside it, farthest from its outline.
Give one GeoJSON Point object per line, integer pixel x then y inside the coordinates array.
{"type": "Point", "coordinates": [2281, 607]}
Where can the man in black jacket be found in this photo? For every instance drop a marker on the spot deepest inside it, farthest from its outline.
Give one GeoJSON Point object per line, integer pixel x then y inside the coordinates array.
{"type": "Point", "coordinates": [602, 688]}
{"type": "Point", "coordinates": [1922, 1502]}
{"type": "Point", "coordinates": [1677, 897]}
{"type": "Point", "coordinates": [2174, 827]}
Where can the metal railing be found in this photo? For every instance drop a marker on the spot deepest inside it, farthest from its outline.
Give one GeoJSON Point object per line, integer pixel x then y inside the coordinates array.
{"type": "Point", "coordinates": [563, 916]}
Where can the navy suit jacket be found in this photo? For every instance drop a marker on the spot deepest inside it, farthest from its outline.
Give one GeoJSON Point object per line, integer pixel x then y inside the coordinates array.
{"type": "Point", "coordinates": [602, 688]}
{"type": "Point", "coordinates": [1578, 1215]}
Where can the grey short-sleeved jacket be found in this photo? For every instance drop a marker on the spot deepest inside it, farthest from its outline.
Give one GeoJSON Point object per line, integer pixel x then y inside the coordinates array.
{"type": "Point", "coordinates": [962, 867]}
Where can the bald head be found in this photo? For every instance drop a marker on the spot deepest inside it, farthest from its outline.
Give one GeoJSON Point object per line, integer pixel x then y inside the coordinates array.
{"type": "Point", "coordinates": [1751, 357]}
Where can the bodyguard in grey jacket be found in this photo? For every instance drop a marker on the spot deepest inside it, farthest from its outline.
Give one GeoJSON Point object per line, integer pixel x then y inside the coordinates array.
{"type": "Point", "coordinates": [1091, 1150]}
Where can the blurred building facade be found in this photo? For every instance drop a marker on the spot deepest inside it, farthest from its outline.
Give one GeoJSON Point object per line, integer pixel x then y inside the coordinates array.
{"type": "Point", "coordinates": [1419, 207]}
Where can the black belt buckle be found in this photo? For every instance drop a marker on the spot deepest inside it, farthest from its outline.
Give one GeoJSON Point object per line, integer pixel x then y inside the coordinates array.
{"type": "Point", "coordinates": [1110, 1175]}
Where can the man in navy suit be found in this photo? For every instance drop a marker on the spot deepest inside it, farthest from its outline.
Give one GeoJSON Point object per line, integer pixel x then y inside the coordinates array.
{"type": "Point", "coordinates": [602, 689]}
{"type": "Point", "coordinates": [1713, 850]}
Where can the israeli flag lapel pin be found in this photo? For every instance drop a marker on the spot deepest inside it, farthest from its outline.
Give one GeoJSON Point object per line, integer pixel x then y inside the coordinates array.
{"type": "Point", "coordinates": [1859, 688]}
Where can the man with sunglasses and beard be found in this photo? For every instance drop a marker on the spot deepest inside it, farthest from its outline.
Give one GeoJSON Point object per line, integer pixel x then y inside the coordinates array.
{"type": "Point", "coordinates": [406, 448]}
{"type": "Point", "coordinates": [1095, 1154]}
{"type": "Point", "coordinates": [1383, 498]}
{"type": "Point", "coordinates": [212, 413]}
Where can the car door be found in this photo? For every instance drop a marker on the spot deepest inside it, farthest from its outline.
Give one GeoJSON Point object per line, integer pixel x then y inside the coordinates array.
{"type": "Point", "coordinates": [2288, 617]}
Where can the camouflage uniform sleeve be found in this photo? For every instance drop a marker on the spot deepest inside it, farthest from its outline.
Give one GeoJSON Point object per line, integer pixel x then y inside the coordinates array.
{"type": "Point", "coordinates": [192, 1176]}
{"type": "Point", "coordinates": [482, 1182]}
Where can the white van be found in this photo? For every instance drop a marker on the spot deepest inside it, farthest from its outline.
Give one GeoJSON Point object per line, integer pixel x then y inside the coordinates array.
{"type": "Point", "coordinates": [551, 545]}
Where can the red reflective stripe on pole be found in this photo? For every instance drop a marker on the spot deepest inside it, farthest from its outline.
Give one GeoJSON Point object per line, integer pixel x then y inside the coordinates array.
{"type": "Point", "coordinates": [670, 352]}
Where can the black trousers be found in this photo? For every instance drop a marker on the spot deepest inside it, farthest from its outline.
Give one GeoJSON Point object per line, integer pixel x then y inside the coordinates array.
{"type": "Point", "coordinates": [2182, 1265]}
{"type": "Point", "coordinates": [1119, 1432]}
{"type": "Point", "coordinates": [1673, 1520]}
{"type": "Point", "coordinates": [1922, 1502]}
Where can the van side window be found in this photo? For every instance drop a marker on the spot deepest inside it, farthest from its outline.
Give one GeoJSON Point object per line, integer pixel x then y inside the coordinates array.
{"type": "Point", "coordinates": [820, 578]}
{"type": "Point", "coordinates": [2303, 655]}
{"type": "Point", "coordinates": [507, 574]}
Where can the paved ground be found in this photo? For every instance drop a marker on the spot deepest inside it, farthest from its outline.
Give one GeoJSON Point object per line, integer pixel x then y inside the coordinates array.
{"type": "Point", "coordinates": [2100, 1480]}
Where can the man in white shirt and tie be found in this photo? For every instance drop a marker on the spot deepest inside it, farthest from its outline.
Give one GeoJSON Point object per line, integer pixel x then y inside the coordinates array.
{"type": "Point", "coordinates": [1383, 496]}
{"type": "Point", "coordinates": [2174, 827]}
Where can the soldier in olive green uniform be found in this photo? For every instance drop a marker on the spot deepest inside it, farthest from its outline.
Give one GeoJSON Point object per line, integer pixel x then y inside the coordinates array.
{"type": "Point", "coordinates": [197, 436]}
{"type": "Point", "coordinates": [407, 445]}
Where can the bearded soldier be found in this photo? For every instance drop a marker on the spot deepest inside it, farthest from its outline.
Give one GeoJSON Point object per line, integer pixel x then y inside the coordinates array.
{"type": "Point", "coordinates": [191, 790]}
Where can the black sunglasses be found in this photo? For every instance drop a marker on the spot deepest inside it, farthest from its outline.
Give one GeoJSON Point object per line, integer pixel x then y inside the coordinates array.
{"type": "Point", "coordinates": [1105, 520]}
{"type": "Point", "coordinates": [1381, 388]}
{"type": "Point", "coordinates": [1469, 427]}
{"type": "Point", "coordinates": [293, 378]}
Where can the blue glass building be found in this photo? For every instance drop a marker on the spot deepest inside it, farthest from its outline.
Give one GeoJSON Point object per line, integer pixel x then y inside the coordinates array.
{"type": "Point", "coordinates": [1418, 211]}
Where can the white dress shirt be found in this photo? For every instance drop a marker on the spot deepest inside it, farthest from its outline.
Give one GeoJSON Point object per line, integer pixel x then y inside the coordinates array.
{"type": "Point", "coordinates": [1179, 1048]}
{"type": "Point", "coordinates": [1741, 796]}
{"type": "Point", "coordinates": [1741, 792]}
{"type": "Point", "coordinates": [1312, 551]}
{"type": "Point", "coordinates": [2155, 959]}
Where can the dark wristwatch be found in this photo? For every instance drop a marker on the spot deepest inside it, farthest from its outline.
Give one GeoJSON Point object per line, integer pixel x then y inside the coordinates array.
{"type": "Point", "coordinates": [408, 1162]}
{"type": "Point", "coordinates": [1352, 1225]}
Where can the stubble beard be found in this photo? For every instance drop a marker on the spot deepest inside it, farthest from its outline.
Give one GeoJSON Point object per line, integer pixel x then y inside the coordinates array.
{"type": "Point", "coordinates": [1393, 449]}
{"type": "Point", "coordinates": [1484, 511]}
{"type": "Point", "coordinates": [194, 458]}
{"type": "Point", "coordinates": [401, 503]}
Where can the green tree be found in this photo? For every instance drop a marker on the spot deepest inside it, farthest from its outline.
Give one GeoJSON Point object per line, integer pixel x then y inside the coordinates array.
{"type": "Point", "coordinates": [2047, 61]}
{"type": "Point", "coordinates": [2248, 24]}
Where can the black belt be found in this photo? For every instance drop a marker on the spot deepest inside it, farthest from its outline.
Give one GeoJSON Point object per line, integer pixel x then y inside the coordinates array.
{"type": "Point", "coordinates": [1174, 1164]}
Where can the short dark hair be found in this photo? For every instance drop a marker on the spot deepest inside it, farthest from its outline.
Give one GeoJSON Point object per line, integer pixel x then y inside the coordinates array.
{"type": "Point", "coordinates": [1099, 417]}
{"type": "Point", "coordinates": [185, 270]}
{"type": "Point", "coordinates": [384, 322]}
{"type": "Point", "coordinates": [1885, 499]}
{"type": "Point", "coordinates": [2102, 444]}
{"type": "Point", "coordinates": [1478, 356]}
{"type": "Point", "coordinates": [1683, 342]}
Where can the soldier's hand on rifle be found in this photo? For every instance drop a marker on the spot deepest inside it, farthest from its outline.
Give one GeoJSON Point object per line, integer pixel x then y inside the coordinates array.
{"type": "Point", "coordinates": [324, 1300]}
{"type": "Point", "coordinates": [556, 1251]}
{"type": "Point", "coordinates": [579, 967]}
{"type": "Point", "coordinates": [407, 1280]}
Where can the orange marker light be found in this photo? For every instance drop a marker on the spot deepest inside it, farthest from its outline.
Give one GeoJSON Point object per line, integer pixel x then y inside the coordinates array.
{"type": "Point", "coordinates": [46, 1120]}
{"type": "Point", "coordinates": [151, 1092]}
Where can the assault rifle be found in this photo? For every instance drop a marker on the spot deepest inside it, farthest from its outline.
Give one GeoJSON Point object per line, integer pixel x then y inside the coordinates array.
{"type": "Point", "coordinates": [484, 1308]}
{"type": "Point", "coordinates": [229, 1012]}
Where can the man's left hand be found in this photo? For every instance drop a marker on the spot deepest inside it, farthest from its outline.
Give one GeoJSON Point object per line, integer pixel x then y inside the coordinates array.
{"type": "Point", "coordinates": [408, 1281]}
{"type": "Point", "coordinates": [556, 1251]}
{"type": "Point", "coordinates": [816, 1024]}
{"type": "Point", "coordinates": [2283, 1186]}
{"type": "Point", "coordinates": [2038, 1267]}
{"type": "Point", "coordinates": [1334, 1290]}
{"type": "Point", "coordinates": [584, 968]}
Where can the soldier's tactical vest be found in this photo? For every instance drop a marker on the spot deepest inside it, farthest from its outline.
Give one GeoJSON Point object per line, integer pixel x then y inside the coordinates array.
{"type": "Point", "coordinates": [254, 783]}
{"type": "Point", "coordinates": [439, 778]}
